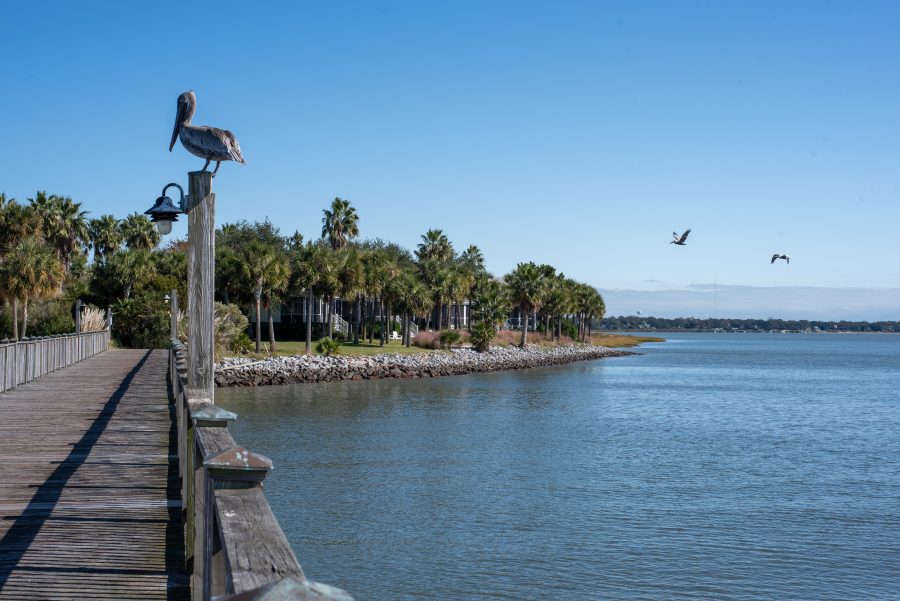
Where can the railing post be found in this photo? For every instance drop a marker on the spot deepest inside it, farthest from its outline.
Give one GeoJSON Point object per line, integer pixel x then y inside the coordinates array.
{"type": "Point", "coordinates": [78, 305]}
{"type": "Point", "coordinates": [236, 468]}
{"type": "Point", "coordinates": [173, 314]}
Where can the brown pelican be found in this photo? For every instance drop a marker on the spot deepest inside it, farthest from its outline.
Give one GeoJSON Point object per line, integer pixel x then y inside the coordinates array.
{"type": "Point", "coordinates": [679, 240]}
{"type": "Point", "coordinates": [210, 143]}
{"type": "Point", "coordinates": [777, 256]}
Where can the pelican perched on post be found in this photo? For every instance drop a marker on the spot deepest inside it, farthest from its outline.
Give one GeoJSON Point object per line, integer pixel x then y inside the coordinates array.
{"type": "Point", "coordinates": [210, 143]}
{"type": "Point", "coordinates": [680, 240]}
{"type": "Point", "coordinates": [777, 256]}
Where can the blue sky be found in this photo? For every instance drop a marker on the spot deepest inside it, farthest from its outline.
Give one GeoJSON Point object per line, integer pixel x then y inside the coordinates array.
{"type": "Point", "coordinates": [578, 134]}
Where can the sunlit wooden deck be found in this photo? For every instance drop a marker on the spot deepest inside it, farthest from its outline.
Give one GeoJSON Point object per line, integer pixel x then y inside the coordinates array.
{"type": "Point", "coordinates": [89, 493]}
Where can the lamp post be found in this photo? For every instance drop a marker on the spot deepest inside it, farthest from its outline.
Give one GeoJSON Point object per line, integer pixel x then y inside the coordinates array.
{"type": "Point", "coordinates": [199, 205]}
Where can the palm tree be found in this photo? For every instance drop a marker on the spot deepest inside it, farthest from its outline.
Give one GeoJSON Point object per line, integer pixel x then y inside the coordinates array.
{"type": "Point", "coordinates": [490, 308]}
{"type": "Point", "coordinates": [527, 286]}
{"type": "Point", "coordinates": [351, 282]}
{"type": "Point", "coordinates": [473, 259]}
{"type": "Point", "coordinates": [31, 270]}
{"type": "Point", "coordinates": [276, 284]}
{"type": "Point", "coordinates": [435, 246]}
{"type": "Point", "coordinates": [259, 265]}
{"type": "Point", "coordinates": [105, 234]}
{"type": "Point", "coordinates": [340, 224]}
{"type": "Point", "coordinates": [16, 222]}
{"type": "Point", "coordinates": [139, 232]}
{"type": "Point", "coordinates": [129, 267]}
{"type": "Point", "coordinates": [413, 300]}
{"type": "Point", "coordinates": [305, 265]}
{"type": "Point", "coordinates": [63, 223]}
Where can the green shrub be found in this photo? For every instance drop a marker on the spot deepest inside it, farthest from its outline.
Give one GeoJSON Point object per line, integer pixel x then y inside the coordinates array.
{"type": "Point", "coordinates": [448, 338]}
{"type": "Point", "coordinates": [481, 337]}
{"type": "Point", "coordinates": [142, 321]}
{"type": "Point", "coordinates": [569, 329]}
{"type": "Point", "coordinates": [326, 346]}
{"type": "Point", "coordinates": [231, 326]}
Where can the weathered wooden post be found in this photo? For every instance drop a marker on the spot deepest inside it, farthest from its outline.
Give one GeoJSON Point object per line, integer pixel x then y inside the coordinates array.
{"type": "Point", "coordinates": [200, 206]}
{"type": "Point", "coordinates": [173, 315]}
{"type": "Point", "coordinates": [78, 305]}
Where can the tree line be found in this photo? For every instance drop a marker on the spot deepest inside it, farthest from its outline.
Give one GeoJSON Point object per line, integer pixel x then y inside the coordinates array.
{"type": "Point", "coordinates": [691, 324]}
{"type": "Point", "coordinates": [45, 256]}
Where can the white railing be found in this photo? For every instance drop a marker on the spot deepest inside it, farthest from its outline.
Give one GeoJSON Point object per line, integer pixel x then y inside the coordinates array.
{"type": "Point", "coordinates": [30, 358]}
{"type": "Point", "coordinates": [340, 324]}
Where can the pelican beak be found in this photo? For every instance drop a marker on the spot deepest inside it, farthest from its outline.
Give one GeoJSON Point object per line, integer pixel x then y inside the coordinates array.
{"type": "Point", "coordinates": [179, 120]}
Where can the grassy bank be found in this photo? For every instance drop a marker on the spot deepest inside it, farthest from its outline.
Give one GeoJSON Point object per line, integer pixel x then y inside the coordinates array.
{"type": "Point", "coordinates": [622, 340]}
{"type": "Point", "coordinates": [296, 347]}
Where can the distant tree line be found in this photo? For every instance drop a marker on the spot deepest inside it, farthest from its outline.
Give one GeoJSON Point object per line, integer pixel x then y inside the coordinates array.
{"type": "Point", "coordinates": [641, 322]}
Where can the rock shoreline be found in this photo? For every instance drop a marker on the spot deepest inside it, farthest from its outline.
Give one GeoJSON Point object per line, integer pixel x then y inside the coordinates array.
{"type": "Point", "coordinates": [313, 368]}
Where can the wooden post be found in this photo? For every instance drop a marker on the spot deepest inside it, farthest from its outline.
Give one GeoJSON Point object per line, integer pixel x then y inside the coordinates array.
{"type": "Point", "coordinates": [78, 316]}
{"type": "Point", "coordinates": [200, 205]}
{"type": "Point", "coordinates": [173, 315]}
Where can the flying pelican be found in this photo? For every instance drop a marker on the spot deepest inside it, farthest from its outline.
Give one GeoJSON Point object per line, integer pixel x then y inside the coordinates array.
{"type": "Point", "coordinates": [679, 240]}
{"type": "Point", "coordinates": [777, 256]}
{"type": "Point", "coordinates": [210, 143]}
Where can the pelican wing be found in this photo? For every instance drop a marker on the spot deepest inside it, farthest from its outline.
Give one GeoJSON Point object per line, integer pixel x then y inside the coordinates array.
{"type": "Point", "coordinates": [787, 258]}
{"type": "Point", "coordinates": [684, 236]}
{"type": "Point", "coordinates": [234, 147]}
{"type": "Point", "coordinates": [211, 143]}
{"type": "Point", "coordinates": [775, 256]}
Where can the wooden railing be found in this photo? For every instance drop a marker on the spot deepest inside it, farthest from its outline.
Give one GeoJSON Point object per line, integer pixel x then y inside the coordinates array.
{"type": "Point", "coordinates": [234, 547]}
{"type": "Point", "coordinates": [30, 358]}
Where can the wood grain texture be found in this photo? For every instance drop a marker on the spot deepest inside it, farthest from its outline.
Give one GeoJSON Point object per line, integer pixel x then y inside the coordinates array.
{"type": "Point", "coordinates": [201, 210]}
{"type": "Point", "coordinates": [90, 505]}
{"type": "Point", "coordinates": [256, 550]}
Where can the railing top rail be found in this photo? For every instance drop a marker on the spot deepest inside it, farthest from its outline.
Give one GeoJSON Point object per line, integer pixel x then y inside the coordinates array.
{"type": "Point", "coordinates": [257, 559]}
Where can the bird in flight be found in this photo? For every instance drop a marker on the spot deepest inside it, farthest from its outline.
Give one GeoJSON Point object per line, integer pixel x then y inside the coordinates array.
{"type": "Point", "coordinates": [679, 240]}
{"type": "Point", "coordinates": [777, 256]}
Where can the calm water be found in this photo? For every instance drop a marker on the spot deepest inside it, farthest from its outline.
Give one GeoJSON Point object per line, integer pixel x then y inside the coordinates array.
{"type": "Point", "coordinates": [720, 466]}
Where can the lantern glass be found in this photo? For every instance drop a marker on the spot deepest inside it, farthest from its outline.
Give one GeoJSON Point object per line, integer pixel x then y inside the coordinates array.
{"type": "Point", "coordinates": [164, 227]}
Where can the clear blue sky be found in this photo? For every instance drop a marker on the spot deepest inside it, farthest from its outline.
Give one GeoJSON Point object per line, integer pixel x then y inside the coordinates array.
{"type": "Point", "coordinates": [574, 133]}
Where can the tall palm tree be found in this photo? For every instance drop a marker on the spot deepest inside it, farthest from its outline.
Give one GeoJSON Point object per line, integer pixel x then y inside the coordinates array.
{"type": "Point", "coordinates": [340, 223]}
{"type": "Point", "coordinates": [16, 222]}
{"type": "Point", "coordinates": [130, 267]}
{"type": "Point", "coordinates": [473, 259]}
{"type": "Point", "coordinates": [527, 286]}
{"type": "Point", "coordinates": [490, 308]}
{"type": "Point", "coordinates": [105, 234]}
{"type": "Point", "coordinates": [413, 300]}
{"type": "Point", "coordinates": [351, 282]}
{"type": "Point", "coordinates": [305, 266]}
{"type": "Point", "coordinates": [139, 232]}
{"type": "Point", "coordinates": [64, 224]}
{"type": "Point", "coordinates": [31, 270]}
{"type": "Point", "coordinates": [277, 280]}
{"type": "Point", "coordinates": [258, 261]}
{"type": "Point", "coordinates": [435, 246]}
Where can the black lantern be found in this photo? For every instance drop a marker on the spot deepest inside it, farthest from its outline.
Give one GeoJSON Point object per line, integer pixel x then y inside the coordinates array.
{"type": "Point", "coordinates": [164, 211]}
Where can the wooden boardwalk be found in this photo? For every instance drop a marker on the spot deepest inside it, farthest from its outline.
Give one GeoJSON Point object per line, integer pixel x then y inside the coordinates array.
{"type": "Point", "coordinates": [89, 496]}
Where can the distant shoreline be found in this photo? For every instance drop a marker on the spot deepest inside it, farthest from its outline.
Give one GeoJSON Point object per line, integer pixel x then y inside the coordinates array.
{"type": "Point", "coordinates": [313, 368]}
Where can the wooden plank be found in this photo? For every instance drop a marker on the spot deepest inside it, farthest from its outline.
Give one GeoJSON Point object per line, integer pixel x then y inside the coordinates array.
{"type": "Point", "coordinates": [256, 550]}
{"type": "Point", "coordinates": [89, 489]}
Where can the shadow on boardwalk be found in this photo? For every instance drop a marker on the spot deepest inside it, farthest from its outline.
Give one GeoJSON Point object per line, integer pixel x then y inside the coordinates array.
{"type": "Point", "coordinates": [104, 519]}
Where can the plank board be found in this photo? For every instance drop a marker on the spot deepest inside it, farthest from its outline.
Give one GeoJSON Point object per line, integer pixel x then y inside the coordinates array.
{"type": "Point", "coordinates": [90, 503]}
